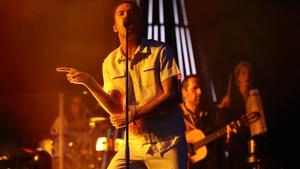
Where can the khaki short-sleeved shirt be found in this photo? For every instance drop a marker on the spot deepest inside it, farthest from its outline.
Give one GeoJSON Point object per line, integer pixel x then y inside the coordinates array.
{"type": "Point", "coordinates": [152, 63]}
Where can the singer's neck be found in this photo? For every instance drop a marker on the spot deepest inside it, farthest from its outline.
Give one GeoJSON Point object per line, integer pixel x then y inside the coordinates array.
{"type": "Point", "coordinates": [133, 43]}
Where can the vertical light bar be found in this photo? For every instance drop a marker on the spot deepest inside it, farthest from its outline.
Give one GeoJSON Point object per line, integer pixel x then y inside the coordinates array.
{"type": "Point", "coordinates": [150, 19]}
{"type": "Point", "coordinates": [179, 52]}
{"type": "Point", "coordinates": [161, 11]}
{"type": "Point", "coordinates": [155, 31]}
{"type": "Point", "coordinates": [161, 21]}
{"type": "Point", "coordinates": [150, 11]}
{"type": "Point", "coordinates": [175, 10]}
{"type": "Point", "coordinates": [191, 51]}
{"type": "Point", "coordinates": [185, 21]}
{"type": "Point", "coordinates": [149, 34]}
{"type": "Point", "coordinates": [162, 33]}
{"type": "Point", "coordinates": [61, 128]}
{"type": "Point", "coordinates": [185, 52]}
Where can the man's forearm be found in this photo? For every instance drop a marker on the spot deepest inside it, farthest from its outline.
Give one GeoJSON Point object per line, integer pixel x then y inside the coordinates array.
{"type": "Point", "coordinates": [170, 97]}
{"type": "Point", "coordinates": [110, 104]}
{"type": "Point", "coordinates": [152, 108]}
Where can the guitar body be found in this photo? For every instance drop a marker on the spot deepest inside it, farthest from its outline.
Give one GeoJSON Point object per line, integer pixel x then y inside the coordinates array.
{"type": "Point", "coordinates": [197, 140]}
{"type": "Point", "coordinates": [193, 137]}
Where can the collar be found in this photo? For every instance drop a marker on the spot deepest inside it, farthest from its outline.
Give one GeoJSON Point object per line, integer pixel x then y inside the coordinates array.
{"type": "Point", "coordinates": [143, 49]}
{"type": "Point", "coordinates": [190, 112]}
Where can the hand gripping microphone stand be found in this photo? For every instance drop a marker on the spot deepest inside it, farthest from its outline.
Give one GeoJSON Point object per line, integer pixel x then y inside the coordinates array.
{"type": "Point", "coordinates": [126, 25]}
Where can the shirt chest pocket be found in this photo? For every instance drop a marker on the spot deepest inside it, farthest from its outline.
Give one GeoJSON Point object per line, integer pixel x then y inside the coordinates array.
{"type": "Point", "coordinates": [149, 77]}
{"type": "Point", "coordinates": [119, 81]}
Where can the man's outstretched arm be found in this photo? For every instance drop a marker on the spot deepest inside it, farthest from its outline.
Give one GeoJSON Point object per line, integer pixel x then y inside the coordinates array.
{"type": "Point", "coordinates": [110, 102]}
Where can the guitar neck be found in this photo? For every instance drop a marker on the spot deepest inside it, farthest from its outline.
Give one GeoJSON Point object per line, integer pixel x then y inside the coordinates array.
{"type": "Point", "coordinates": [216, 134]}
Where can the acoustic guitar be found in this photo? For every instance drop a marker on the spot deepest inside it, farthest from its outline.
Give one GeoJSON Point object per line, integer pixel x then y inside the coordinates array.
{"type": "Point", "coordinates": [197, 140]}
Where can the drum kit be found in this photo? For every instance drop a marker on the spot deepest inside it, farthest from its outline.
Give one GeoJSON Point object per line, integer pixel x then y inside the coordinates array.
{"type": "Point", "coordinates": [89, 145]}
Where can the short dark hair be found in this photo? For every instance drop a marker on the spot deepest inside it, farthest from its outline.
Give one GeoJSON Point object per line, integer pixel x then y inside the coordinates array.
{"type": "Point", "coordinates": [132, 2]}
{"type": "Point", "coordinates": [185, 81]}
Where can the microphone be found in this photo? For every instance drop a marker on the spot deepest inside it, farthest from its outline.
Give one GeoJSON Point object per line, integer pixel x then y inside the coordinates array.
{"type": "Point", "coordinates": [254, 105]}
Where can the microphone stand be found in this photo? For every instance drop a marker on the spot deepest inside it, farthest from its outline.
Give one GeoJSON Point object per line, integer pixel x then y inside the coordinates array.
{"type": "Point", "coordinates": [127, 104]}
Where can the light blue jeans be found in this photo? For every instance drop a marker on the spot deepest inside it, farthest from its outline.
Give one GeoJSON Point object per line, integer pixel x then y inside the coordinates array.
{"type": "Point", "coordinates": [140, 158]}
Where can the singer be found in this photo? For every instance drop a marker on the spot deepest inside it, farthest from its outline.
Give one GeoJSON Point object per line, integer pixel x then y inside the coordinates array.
{"type": "Point", "coordinates": [156, 128]}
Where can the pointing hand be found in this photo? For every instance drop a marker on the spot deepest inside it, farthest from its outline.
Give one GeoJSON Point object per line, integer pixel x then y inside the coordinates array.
{"type": "Point", "coordinates": [75, 76]}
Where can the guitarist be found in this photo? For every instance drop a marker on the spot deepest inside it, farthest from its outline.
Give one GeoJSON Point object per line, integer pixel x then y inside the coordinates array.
{"type": "Point", "coordinates": [196, 117]}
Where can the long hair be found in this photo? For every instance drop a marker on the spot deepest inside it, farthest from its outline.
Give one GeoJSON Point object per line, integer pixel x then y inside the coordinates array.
{"type": "Point", "coordinates": [237, 71]}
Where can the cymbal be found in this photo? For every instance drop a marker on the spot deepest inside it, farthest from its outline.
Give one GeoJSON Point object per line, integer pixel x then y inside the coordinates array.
{"type": "Point", "coordinates": [79, 125]}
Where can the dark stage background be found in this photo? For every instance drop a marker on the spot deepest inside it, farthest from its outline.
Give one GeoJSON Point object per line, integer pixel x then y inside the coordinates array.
{"type": "Point", "coordinates": [36, 36]}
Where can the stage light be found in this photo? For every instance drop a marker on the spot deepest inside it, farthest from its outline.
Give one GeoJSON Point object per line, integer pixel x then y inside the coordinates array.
{"type": "Point", "coordinates": [101, 144]}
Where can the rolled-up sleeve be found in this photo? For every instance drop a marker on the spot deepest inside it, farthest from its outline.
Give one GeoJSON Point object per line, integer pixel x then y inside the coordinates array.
{"type": "Point", "coordinates": [108, 82]}
{"type": "Point", "coordinates": [168, 66]}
